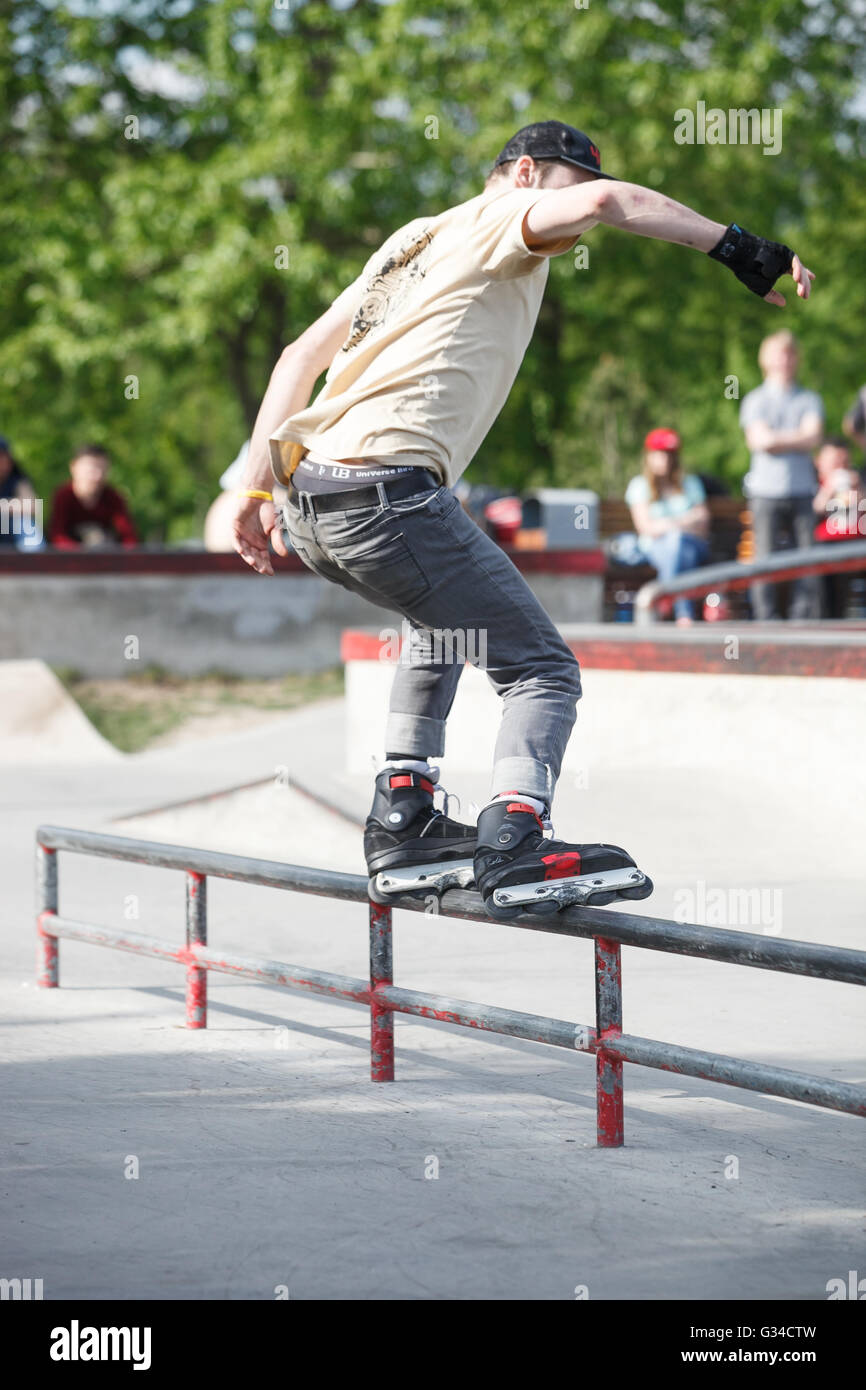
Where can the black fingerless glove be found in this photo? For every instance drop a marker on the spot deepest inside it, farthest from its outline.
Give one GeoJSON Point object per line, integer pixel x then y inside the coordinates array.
{"type": "Point", "coordinates": [754, 260]}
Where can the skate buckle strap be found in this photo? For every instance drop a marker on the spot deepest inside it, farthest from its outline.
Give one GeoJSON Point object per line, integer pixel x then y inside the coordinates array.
{"type": "Point", "coordinates": [521, 806]}
{"type": "Point", "coordinates": [411, 779]}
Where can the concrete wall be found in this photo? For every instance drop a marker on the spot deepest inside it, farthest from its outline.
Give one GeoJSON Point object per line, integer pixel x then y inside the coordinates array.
{"type": "Point", "coordinates": [803, 735]}
{"type": "Point", "coordinates": [189, 624]}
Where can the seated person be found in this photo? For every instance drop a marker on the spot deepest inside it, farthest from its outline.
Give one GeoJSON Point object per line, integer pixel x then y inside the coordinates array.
{"type": "Point", "coordinates": [840, 493]}
{"type": "Point", "coordinates": [840, 505]}
{"type": "Point", "coordinates": [87, 512]}
{"type": "Point", "coordinates": [670, 513]}
{"type": "Point", "coordinates": [16, 489]}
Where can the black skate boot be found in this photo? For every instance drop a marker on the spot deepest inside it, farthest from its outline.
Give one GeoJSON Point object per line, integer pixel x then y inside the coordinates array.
{"type": "Point", "coordinates": [518, 870]}
{"type": "Point", "coordinates": [412, 848]}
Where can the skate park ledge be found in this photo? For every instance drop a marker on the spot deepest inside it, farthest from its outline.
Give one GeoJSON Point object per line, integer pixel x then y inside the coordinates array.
{"type": "Point", "coordinates": [718, 699]}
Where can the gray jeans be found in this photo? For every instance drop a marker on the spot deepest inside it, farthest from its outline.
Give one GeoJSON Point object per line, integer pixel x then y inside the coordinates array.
{"type": "Point", "coordinates": [769, 517]}
{"type": "Point", "coordinates": [464, 600]}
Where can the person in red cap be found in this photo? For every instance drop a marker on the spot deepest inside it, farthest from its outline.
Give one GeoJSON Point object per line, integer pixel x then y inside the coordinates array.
{"type": "Point", "coordinates": [670, 513]}
{"type": "Point", "coordinates": [421, 351]}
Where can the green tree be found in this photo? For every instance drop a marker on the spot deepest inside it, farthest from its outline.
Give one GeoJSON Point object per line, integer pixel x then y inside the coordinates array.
{"type": "Point", "coordinates": [157, 157]}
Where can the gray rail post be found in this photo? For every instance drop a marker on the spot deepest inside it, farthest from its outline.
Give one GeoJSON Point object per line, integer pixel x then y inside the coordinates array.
{"type": "Point", "coordinates": [47, 950]}
{"type": "Point", "coordinates": [196, 934]}
{"type": "Point", "coordinates": [608, 1020]}
{"type": "Point", "coordinates": [381, 973]}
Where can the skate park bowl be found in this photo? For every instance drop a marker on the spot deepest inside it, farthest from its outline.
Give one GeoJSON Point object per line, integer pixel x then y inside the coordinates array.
{"type": "Point", "coordinates": [42, 724]}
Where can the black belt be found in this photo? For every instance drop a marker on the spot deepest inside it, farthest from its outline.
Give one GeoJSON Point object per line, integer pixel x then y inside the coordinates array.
{"type": "Point", "coordinates": [349, 498]}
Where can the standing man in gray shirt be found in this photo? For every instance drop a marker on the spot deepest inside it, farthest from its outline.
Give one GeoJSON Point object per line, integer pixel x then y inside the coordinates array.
{"type": "Point", "coordinates": [783, 423]}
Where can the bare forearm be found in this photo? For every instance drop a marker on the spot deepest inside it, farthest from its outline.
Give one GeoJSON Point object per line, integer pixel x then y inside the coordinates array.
{"type": "Point", "coordinates": [794, 441]}
{"type": "Point", "coordinates": [645, 212]}
{"type": "Point", "coordinates": [289, 391]}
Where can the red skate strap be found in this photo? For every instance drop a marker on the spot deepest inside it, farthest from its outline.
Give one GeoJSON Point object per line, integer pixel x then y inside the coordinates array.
{"type": "Point", "coordinates": [561, 865]}
{"type": "Point", "coordinates": [522, 806]}
{"type": "Point", "coordinates": [406, 779]}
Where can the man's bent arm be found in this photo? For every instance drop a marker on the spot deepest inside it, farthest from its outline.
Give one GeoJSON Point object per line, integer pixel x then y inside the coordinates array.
{"type": "Point", "coordinates": [292, 382]}
{"type": "Point", "coordinates": [631, 207]}
{"type": "Point", "coordinates": [567, 211]}
{"type": "Point", "coordinates": [804, 439]}
{"type": "Point", "coordinates": [255, 522]}
{"type": "Point", "coordinates": [645, 212]}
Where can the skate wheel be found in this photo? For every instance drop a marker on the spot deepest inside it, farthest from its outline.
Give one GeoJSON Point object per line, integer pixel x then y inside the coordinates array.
{"type": "Point", "coordinates": [383, 899]}
{"type": "Point", "coordinates": [602, 899]}
{"type": "Point", "coordinates": [502, 914]}
{"type": "Point", "coordinates": [547, 908]}
{"type": "Point", "coordinates": [642, 891]}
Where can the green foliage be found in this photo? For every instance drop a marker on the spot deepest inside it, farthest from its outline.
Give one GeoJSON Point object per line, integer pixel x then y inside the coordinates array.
{"type": "Point", "coordinates": [133, 712]}
{"type": "Point", "coordinates": [156, 155]}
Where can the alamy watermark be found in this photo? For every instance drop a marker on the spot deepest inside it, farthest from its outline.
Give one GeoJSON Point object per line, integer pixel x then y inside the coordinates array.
{"type": "Point", "coordinates": [21, 1290]}
{"type": "Point", "coordinates": [444, 646]}
{"type": "Point", "coordinates": [22, 516]}
{"type": "Point", "coordinates": [757, 908]}
{"type": "Point", "coordinates": [736, 126]}
{"type": "Point", "coordinates": [846, 516]}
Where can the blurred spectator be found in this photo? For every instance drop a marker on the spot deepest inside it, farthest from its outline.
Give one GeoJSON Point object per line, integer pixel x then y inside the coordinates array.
{"type": "Point", "coordinates": [15, 488]}
{"type": "Point", "coordinates": [783, 423]}
{"type": "Point", "coordinates": [839, 501]}
{"type": "Point", "coordinates": [854, 423]}
{"type": "Point", "coordinates": [87, 512]}
{"type": "Point", "coordinates": [670, 513]}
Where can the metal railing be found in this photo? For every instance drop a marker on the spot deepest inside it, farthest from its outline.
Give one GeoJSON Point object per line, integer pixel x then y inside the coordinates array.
{"type": "Point", "coordinates": [608, 930]}
{"type": "Point", "coordinates": [836, 557]}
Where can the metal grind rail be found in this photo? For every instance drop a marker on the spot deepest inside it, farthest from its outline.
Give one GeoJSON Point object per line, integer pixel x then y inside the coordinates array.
{"type": "Point", "coordinates": [609, 930]}
{"type": "Point", "coordinates": [833, 557]}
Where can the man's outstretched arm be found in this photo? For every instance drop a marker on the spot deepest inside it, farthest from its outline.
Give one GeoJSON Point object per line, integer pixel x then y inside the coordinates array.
{"type": "Point", "coordinates": [289, 390]}
{"type": "Point", "coordinates": [569, 211]}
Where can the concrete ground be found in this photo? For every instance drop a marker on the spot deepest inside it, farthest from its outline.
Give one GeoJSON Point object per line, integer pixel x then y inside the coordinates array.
{"type": "Point", "coordinates": [265, 1157]}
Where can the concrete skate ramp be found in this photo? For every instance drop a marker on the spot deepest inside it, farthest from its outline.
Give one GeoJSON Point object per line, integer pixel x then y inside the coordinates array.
{"type": "Point", "coordinates": [264, 821]}
{"type": "Point", "coordinates": [42, 723]}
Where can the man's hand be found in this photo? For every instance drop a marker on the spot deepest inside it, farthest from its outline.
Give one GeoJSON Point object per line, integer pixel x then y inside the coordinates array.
{"type": "Point", "coordinates": [802, 279]}
{"type": "Point", "coordinates": [253, 525]}
{"type": "Point", "coordinates": [759, 263]}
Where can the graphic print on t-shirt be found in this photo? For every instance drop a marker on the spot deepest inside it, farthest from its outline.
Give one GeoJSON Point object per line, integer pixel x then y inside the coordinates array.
{"type": "Point", "coordinates": [388, 286]}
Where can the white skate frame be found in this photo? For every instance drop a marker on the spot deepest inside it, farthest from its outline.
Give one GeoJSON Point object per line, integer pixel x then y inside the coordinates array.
{"type": "Point", "coordinates": [434, 878]}
{"type": "Point", "coordinates": [582, 888]}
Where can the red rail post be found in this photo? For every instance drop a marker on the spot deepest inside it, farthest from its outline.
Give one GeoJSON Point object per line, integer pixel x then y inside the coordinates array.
{"type": "Point", "coordinates": [608, 1070]}
{"type": "Point", "coordinates": [47, 962]}
{"type": "Point", "coordinates": [381, 972]}
{"type": "Point", "coordinates": [196, 933]}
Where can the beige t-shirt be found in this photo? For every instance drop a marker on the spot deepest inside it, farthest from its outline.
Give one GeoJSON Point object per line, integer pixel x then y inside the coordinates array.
{"type": "Point", "coordinates": [445, 311]}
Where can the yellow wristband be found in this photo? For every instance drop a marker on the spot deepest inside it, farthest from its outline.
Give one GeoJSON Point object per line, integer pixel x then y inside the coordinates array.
{"type": "Point", "coordinates": [255, 492]}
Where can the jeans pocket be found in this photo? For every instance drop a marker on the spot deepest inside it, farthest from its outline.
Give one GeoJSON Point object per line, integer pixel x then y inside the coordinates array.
{"type": "Point", "coordinates": [338, 529]}
{"type": "Point", "coordinates": [403, 506]}
{"type": "Point", "coordinates": [385, 564]}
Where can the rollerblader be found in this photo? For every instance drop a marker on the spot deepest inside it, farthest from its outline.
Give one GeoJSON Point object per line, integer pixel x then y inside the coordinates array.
{"type": "Point", "coordinates": [421, 351]}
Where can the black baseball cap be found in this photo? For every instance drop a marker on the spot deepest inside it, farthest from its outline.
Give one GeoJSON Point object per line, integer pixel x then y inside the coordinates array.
{"type": "Point", "coordinates": [554, 140]}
